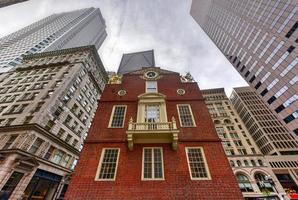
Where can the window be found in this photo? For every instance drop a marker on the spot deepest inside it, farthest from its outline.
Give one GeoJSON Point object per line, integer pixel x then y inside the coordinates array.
{"type": "Point", "coordinates": [260, 162]}
{"type": "Point", "coordinates": [35, 146]}
{"type": "Point", "coordinates": [10, 141]}
{"type": "Point", "coordinates": [151, 86]}
{"type": "Point", "coordinates": [65, 160]}
{"type": "Point", "coordinates": [185, 116]}
{"type": "Point", "coordinates": [57, 156]}
{"type": "Point", "coordinates": [253, 163]}
{"type": "Point", "coordinates": [108, 164]}
{"type": "Point", "coordinates": [263, 183]}
{"type": "Point", "coordinates": [49, 153]}
{"type": "Point", "coordinates": [57, 113]}
{"type": "Point", "coordinates": [68, 137]}
{"type": "Point", "coordinates": [117, 117]}
{"type": "Point", "coordinates": [152, 164]}
{"type": "Point", "coordinates": [28, 119]}
{"type": "Point", "coordinates": [246, 163]}
{"type": "Point", "coordinates": [12, 183]}
{"type": "Point", "coordinates": [244, 183]}
{"type": "Point", "coordinates": [60, 133]}
{"type": "Point", "coordinates": [49, 125]}
{"type": "Point", "coordinates": [152, 113]}
{"type": "Point", "coordinates": [197, 164]}
{"type": "Point", "coordinates": [242, 151]}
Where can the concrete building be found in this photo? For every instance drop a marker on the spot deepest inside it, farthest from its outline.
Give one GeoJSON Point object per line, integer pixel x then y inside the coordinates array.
{"type": "Point", "coordinates": [275, 141]}
{"type": "Point", "coordinates": [152, 138]}
{"type": "Point", "coordinates": [246, 160]}
{"type": "Point", "coordinates": [4, 3]}
{"type": "Point", "coordinates": [259, 38]}
{"type": "Point", "coordinates": [46, 108]}
{"type": "Point", "coordinates": [134, 61]}
{"type": "Point", "coordinates": [58, 31]}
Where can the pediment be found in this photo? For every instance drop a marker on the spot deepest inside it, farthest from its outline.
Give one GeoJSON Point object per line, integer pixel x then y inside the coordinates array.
{"type": "Point", "coordinates": [152, 95]}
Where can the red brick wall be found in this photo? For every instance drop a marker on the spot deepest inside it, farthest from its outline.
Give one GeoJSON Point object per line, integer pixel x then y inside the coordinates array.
{"type": "Point", "coordinates": [177, 183]}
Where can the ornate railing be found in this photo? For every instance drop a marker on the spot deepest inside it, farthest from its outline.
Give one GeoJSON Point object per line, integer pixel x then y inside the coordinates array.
{"type": "Point", "coordinates": [135, 126]}
{"type": "Point", "coordinates": [152, 132]}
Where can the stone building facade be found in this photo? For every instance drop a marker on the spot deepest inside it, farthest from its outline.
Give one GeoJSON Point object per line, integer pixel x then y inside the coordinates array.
{"type": "Point", "coordinates": [46, 108]}
{"type": "Point", "coordinates": [276, 142]}
{"type": "Point", "coordinates": [152, 138]}
{"type": "Point", "coordinates": [254, 175]}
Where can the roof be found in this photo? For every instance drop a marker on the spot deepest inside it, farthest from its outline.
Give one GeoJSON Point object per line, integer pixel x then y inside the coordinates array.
{"type": "Point", "coordinates": [137, 60]}
{"type": "Point", "coordinates": [213, 91]}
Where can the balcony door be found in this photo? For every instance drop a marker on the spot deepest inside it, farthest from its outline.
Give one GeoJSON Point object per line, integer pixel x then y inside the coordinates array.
{"type": "Point", "coordinates": [152, 113]}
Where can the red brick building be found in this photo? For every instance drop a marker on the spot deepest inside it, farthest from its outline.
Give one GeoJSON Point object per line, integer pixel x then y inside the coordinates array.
{"type": "Point", "coordinates": [152, 138]}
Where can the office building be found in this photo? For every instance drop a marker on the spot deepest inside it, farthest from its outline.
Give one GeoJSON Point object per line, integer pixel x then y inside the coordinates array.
{"type": "Point", "coordinates": [55, 32]}
{"type": "Point", "coordinates": [253, 173]}
{"type": "Point", "coordinates": [134, 61]}
{"type": "Point", "coordinates": [276, 142]}
{"type": "Point", "coordinates": [46, 108]}
{"type": "Point", "coordinates": [260, 39]}
{"type": "Point", "coordinates": [152, 138]}
{"type": "Point", "coordinates": [4, 3]}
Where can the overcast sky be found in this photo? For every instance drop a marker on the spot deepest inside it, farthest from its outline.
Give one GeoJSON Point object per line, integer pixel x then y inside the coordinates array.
{"type": "Point", "coordinates": [136, 25]}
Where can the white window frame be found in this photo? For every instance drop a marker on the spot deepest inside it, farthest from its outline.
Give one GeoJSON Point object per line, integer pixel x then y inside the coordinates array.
{"type": "Point", "coordinates": [100, 165]}
{"type": "Point", "coordinates": [190, 110]}
{"type": "Point", "coordinates": [162, 164]}
{"type": "Point", "coordinates": [112, 115]}
{"type": "Point", "coordinates": [205, 164]}
{"type": "Point", "coordinates": [147, 82]}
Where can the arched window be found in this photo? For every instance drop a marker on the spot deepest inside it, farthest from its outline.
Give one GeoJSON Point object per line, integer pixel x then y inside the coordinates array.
{"type": "Point", "coordinates": [263, 183]}
{"type": "Point", "coordinates": [253, 163]}
{"type": "Point", "coordinates": [238, 163]}
{"type": "Point", "coordinates": [232, 163]}
{"type": "Point", "coordinates": [260, 162]}
{"type": "Point", "coordinates": [216, 122]}
{"type": "Point", "coordinates": [227, 121]}
{"type": "Point", "coordinates": [244, 183]}
{"type": "Point", "coordinates": [246, 163]}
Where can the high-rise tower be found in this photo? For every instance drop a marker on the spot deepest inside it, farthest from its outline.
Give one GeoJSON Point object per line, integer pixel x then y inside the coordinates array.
{"type": "Point", "coordinates": [259, 38]}
{"type": "Point", "coordinates": [55, 32]}
{"type": "Point", "coordinates": [4, 3]}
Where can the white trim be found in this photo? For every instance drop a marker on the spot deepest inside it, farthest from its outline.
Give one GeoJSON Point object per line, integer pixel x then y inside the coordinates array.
{"type": "Point", "coordinates": [100, 165]}
{"type": "Point", "coordinates": [147, 84]}
{"type": "Point", "coordinates": [162, 164]}
{"type": "Point", "coordinates": [146, 74]}
{"type": "Point", "coordinates": [112, 115]}
{"type": "Point", "coordinates": [205, 164]}
{"type": "Point", "coordinates": [190, 110]}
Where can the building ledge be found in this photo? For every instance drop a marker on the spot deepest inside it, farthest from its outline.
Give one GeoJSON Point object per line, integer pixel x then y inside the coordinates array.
{"type": "Point", "coordinates": [156, 132]}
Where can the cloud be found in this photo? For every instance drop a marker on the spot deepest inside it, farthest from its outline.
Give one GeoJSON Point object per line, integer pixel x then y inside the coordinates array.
{"type": "Point", "coordinates": [136, 25]}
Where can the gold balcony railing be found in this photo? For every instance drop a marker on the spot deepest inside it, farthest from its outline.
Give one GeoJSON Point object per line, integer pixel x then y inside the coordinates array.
{"type": "Point", "coordinates": [152, 132]}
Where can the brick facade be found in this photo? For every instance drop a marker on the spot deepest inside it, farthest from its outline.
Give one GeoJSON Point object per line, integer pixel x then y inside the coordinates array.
{"type": "Point", "coordinates": [177, 183]}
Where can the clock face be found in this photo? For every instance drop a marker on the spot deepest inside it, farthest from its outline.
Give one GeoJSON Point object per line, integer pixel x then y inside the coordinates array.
{"type": "Point", "coordinates": [151, 74]}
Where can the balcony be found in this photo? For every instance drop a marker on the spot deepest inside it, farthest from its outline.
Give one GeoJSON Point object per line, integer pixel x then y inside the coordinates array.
{"type": "Point", "coordinates": [152, 132]}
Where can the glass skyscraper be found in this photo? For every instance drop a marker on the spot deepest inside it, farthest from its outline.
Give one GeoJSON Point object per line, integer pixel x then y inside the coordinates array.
{"type": "Point", "coordinates": [58, 31]}
{"type": "Point", "coordinates": [259, 38]}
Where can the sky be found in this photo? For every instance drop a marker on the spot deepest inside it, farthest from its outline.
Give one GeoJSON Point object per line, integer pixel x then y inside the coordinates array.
{"type": "Point", "coordinates": [137, 25]}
